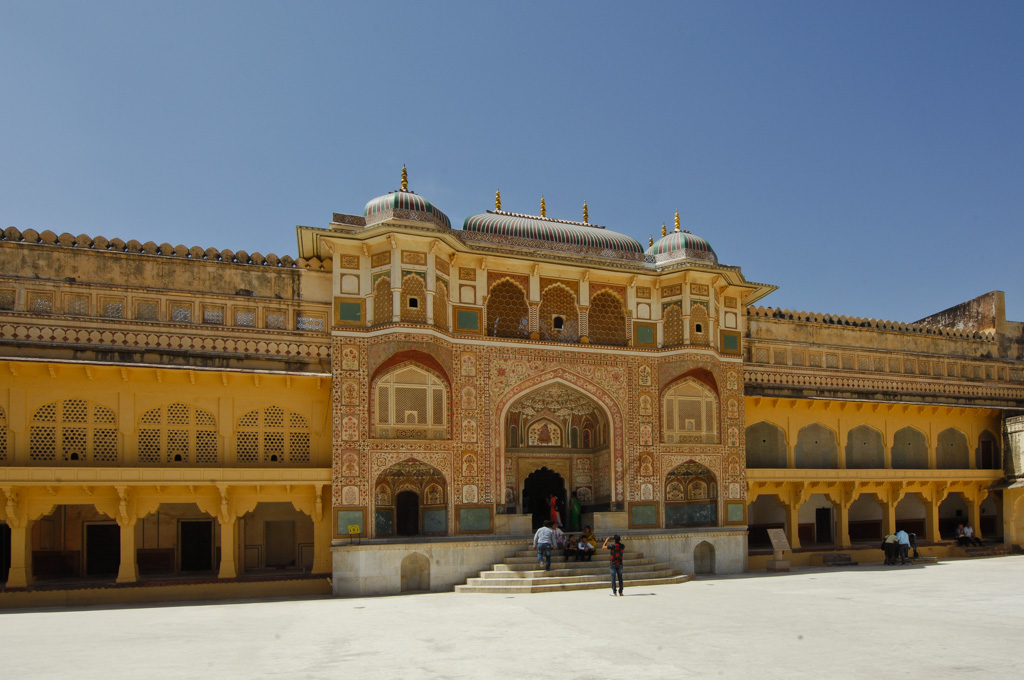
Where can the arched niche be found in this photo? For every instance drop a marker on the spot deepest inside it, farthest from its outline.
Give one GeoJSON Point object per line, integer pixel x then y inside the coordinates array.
{"type": "Point", "coordinates": [909, 449]}
{"type": "Point", "coordinates": [816, 448]}
{"type": "Point", "coordinates": [766, 446]}
{"type": "Point", "coordinates": [865, 448]}
{"type": "Point", "coordinates": [410, 401]}
{"type": "Point", "coordinates": [704, 558]}
{"type": "Point", "coordinates": [691, 496]}
{"type": "Point", "coordinates": [689, 410]}
{"type": "Point", "coordinates": [951, 450]}
{"type": "Point", "coordinates": [411, 499]}
{"type": "Point", "coordinates": [415, 573]}
{"type": "Point", "coordinates": [987, 453]}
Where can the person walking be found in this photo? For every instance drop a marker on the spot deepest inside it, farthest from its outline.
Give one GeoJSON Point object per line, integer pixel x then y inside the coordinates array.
{"type": "Point", "coordinates": [543, 541]}
{"type": "Point", "coordinates": [615, 560]}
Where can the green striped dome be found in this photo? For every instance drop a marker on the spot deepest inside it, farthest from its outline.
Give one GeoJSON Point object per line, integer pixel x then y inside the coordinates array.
{"type": "Point", "coordinates": [578, 234]}
{"type": "Point", "coordinates": [385, 206]}
{"type": "Point", "coordinates": [681, 245]}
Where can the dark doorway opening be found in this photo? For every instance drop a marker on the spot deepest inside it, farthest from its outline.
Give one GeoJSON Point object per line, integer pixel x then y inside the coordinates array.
{"type": "Point", "coordinates": [102, 549]}
{"type": "Point", "coordinates": [407, 510]}
{"type": "Point", "coordinates": [5, 551]}
{"type": "Point", "coordinates": [196, 541]}
{"type": "Point", "coordinates": [823, 525]}
{"type": "Point", "coordinates": [279, 537]}
{"type": "Point", "coordinates": [536, 489]}
{"type": "Point", "coordinates": [988, 456]}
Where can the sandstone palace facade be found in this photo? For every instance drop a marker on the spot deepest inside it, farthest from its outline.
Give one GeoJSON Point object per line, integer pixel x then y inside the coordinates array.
{"type": "Point", "coordinates": [391, 409]}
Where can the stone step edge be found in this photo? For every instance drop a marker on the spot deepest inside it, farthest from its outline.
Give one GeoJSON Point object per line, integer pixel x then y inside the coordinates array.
{"type": "Point", "coordinates": [603, 562]}
{"type": "Point", "coordinates": [537, 573]}
{"type": "Point", "coordinates": [543, 580]}
{"type": "Point", "coordinates": [554, 588]}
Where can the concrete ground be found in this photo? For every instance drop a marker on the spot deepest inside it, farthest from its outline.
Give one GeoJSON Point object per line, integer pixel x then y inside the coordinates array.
{"type": "Point", "coordinates": [943, 620]}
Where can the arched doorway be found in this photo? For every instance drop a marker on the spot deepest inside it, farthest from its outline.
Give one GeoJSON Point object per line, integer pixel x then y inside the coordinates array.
{"type": "Point", "coordinates": [704, 558]}
{"type": "Point", "coordinates": [410, 499]}
{"type": "Point", "coordinates": [564, 430]}
{"type": "Point", "coordinates": [407, 513]}
{"type": "Point", "coordinates": [415, 573]}
{"type": "Point", "coordinates": [536, 488]}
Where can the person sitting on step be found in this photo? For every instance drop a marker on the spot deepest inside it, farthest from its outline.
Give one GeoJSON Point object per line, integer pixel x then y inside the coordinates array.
{"type": "Point", "coordinates": [969, 535]}
{"type": "Point", "coordinates": [590, 540]}
{"type": "Point", "coordinates": [569, 548]}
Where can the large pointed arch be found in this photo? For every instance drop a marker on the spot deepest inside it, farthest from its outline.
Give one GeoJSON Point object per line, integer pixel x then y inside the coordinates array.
{"type": "Point", "coordinates": [612, 411]}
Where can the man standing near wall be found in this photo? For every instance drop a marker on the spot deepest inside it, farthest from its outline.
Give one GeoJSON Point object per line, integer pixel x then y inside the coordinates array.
{"type": "Point", "coordinates": [903, 539]}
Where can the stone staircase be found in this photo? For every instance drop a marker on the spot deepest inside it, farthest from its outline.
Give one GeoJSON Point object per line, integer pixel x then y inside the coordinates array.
{"type": "Point", "coordinates": [985, 550]}
{"type": "Point", "coordinates": [519, 573]}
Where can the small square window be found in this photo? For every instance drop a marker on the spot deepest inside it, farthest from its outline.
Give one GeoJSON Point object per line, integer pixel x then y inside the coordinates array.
{"type": "Point", "coordinates": [40, 303]}
{"type": "Point", "coordinates": [309, 323]}
{"type": "Point", "coordinates": [277, 320]}
{"type": "Point", "coordinates": [414, 303]}
{"type": "Point", "coordinates": [213, 315]}
{"type": "Point", "coordinates": [112, 309]}
{"type": "Point", "coordinates": [558, 323]}
{"type": "Point", "coordinates": [146, 310]}
{"type": "Point", "coordinates": [245, 317]}
{"type": "Point", "coordinates": [181, 312]}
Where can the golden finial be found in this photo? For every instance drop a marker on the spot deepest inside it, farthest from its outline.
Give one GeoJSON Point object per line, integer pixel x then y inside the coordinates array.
{"type": "Point", "coordinates": [650, 241]}
{"type": "Point", "coordinates": [543, 207]}
{"type": "Point", "coordinates": [405, 179]}
{"type": "Point", "coordinates": [677, 221]}
{"type": "Point", "coordinates": [586, 215]}
{"type": "Point", "coordinates": [664, 231]}
{"type": "Point", "coordinates": [497, 200]}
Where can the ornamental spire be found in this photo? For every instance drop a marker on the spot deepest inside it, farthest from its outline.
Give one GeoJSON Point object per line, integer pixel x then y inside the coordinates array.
{"type": "Point", "coordinates": [650, 241]}
{"type": "Point", "coordinates": [543, 207]}
{"type": "Point", "coordinates": [405, 179]}
{"type": "Point", "coordinates": [497, 200]}
{"type": "Point", "coordinates": [664, 230]}
{"type": "Point", "coordinates": [677, 221]}
{"type": "Point", "coordinates": [586, 215]}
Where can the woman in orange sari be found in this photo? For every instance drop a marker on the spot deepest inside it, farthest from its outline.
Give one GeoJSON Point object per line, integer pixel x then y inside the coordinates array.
{"type": "Point", "coordinates": [556, 519]}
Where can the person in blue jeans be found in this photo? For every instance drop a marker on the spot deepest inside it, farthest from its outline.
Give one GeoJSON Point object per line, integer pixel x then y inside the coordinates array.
{"type": "Point", "coordinates": [543, 540]}
{"type": "Point", "coordinates": [615, 560]}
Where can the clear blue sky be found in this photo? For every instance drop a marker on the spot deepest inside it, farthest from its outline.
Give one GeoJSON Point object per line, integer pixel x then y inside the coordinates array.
{"type": "Point", "coordinates": [867, 157]}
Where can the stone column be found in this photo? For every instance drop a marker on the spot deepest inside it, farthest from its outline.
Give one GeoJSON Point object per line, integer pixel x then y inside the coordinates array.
{"type": "Point", "coordinates": [888, 517]}
{"type": "Point", "coordinates": [793, 524]}
{"type": "Point", "coordinates": [974, 512]}
{"type": "Point", "coordinates": [228, 547]}
{"type": "Point", "coordinates": [931, 519]}
{"type": "Point", "coordinates": [842, 524]}
{"type": "Point", "coordinates": [322, 545]}
{"type": "Point", "coordinates": [20, 575]}
{"type": "Point", "coordinates": [128, 572]}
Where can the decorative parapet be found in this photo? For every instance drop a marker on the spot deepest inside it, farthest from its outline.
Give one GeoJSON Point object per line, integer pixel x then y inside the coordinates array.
{"type": "Point", "coordinates": [862, 322]}
{"type": "Point", "coordinates": [133, 247]}
{"type": "Point", "coordinates": [196, 339]}
{"type": "Point", "coordinates": [779, 381]}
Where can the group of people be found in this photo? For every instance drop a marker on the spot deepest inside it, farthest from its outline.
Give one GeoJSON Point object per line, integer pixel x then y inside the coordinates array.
{"type": "Point", "coordinates": [965, 535]}
{"type": "Point", "coordinates": [556, 517]}
{"type": "Point", "coordinates": [897, 547]}
{"type": "Point", "coordinates": [550, 537]}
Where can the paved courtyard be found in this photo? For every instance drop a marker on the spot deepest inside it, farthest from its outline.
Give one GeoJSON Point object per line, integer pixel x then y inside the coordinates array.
{"type": "Point", "coordinates": [943, 620]}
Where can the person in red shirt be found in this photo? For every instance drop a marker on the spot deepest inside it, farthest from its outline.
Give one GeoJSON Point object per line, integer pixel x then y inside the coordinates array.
{"type": "Point", "coordinates": [615, 560]}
